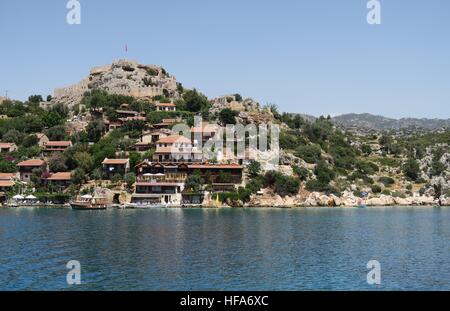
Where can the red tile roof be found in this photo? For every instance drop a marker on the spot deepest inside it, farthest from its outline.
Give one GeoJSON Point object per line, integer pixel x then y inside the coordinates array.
{"type": "Point", "coordinates": [7, 176]}
{"type": "Point", "coordinates": [6, 145]}
{"type": "Point", "coordinates": [172, 139]}
{"type": "Point", "coordinates": [4, 183]}
{"type": "Point", "coordinates": [59, 143]}
{"type": "Point", "coordinates": [61, 176]}
{"type": "Point", "coordinates": [172, 150]}
{"type": "Point", "coordinates": [156, 184]}
{"type": "Point", "coordinates": [217, 166]}
{"type": "Point", "coordinates": [32, 162]}
{"type": "Point", "coordinates": [115, 161]}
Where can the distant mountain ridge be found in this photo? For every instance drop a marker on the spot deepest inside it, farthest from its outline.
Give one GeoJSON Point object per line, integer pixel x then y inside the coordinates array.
{"type": "Point", "coordinates": [377, 122]}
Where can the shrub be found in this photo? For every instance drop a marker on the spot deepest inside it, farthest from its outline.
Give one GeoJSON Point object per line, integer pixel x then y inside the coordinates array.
{"type": "Point", "coordinates": [244, 194]}
{"type": "Point", "coordinates": [130, 179]}
{"type": "Point", "coordinates": [386, 181]}
{"type": "Point", "coordinates": [286, 185]}
{"type": "Point", "coordinates": [228, 116]}
{"type": "Point", "coordinates": [411, 169]}
{"type": "Point", "coordinates": [255, 184]}
{"type": "Point", "coordinates": [376, 189]}
{"type": "Point", "coordinates": [301, 172]}
{"type": "Point", "coordinates": [324, 173]}
{"type": "Point", "coordinates": [315, 185]}
{"type": "Point", "coordinates": [254, 168]}
{"type": "Point", "coordinates": [281, 184]}
{"type": "Point", "coordinates": [309, 153]}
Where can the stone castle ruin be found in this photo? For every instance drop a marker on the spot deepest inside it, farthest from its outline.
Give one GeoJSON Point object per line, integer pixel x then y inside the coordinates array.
{"type": "Point", "coordinates": [122, 77]}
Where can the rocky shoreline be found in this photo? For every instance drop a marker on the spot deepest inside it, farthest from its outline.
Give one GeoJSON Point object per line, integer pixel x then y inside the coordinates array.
{"type": "Point", "coordinates": [347, 199]}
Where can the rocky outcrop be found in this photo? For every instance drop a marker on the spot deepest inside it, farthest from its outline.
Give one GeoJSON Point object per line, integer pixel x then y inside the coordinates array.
{"type": "Point", "coordinates": [347, 199]}
{"type": "Point", "coordinates": [122, 77]}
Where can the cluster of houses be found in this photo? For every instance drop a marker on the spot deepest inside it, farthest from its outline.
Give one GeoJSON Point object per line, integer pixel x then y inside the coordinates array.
{"type": "Point", "coordinates": [160, 179]}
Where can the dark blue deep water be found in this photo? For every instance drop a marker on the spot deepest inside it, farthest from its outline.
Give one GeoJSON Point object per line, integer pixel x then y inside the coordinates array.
{"type": "Point", "coordinates": [225, 249]}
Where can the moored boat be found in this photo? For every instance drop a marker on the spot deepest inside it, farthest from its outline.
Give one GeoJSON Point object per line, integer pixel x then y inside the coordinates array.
{"type": "Point", "coordinates": [87, 202]}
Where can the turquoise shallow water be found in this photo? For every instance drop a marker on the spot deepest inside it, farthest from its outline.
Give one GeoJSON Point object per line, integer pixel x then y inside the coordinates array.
{"type": "Point", "coordinates": [225, 249]}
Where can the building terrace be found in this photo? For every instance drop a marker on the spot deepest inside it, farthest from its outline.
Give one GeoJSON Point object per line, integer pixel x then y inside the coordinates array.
{"type": "Point", "coordinates": [57, 145]}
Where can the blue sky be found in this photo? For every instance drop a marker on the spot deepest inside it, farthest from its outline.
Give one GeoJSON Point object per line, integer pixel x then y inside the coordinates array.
{"type": "Point", "coordinates": [316, 56]}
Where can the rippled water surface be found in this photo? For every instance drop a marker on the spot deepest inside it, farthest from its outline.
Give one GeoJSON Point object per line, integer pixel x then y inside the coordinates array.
{"type": "Point", "coordinates": [225, 249]}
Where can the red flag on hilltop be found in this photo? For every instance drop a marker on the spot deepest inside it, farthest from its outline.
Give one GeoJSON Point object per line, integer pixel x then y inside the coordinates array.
{"type": "Point", "coordinates": [126, 48]}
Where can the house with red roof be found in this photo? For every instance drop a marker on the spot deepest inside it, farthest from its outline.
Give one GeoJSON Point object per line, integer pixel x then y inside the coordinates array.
{"type": "Point", "coordinates": [52, 146]}
{"type": "Point", "coordinates": [60, 179]}
{"type": "Point", "coordinates": [176, 148]}
{"type": "Point", "coordinates": [112, 167]}
{"type": "Point", "coordinates": [7, 181]}
{"type": "Point", "coordinates": [7, 147]}
{"type": "Point", "coordinates": [26, 168]}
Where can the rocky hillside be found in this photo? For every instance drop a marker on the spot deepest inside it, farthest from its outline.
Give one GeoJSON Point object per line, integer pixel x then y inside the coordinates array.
{"type": "Point", "coordinates": [319, 159]}
{"type": "Point", "coordinates": [122, 77]}
{"type": "Point", "coordinates": [380, 123]}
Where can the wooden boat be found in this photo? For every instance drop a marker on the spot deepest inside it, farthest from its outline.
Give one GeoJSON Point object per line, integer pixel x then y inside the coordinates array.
{"type": "Point", "coordinates": [88, 202]}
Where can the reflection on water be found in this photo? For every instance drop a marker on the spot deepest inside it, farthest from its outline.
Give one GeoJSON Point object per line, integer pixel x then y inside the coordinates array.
{"type": "Point", "coordinates": [225, 249]}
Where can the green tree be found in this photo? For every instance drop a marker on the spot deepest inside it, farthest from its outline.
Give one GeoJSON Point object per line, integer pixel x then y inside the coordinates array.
{"type": "Point", "coordinates": [57, 132]}
{"type": "Point", "coordinates": [130, 179]}
{"type": "Point", "coordinates": [194, 182]}
{"type": "Point", "coordinates": [228, 116]}
{"type": "Point", "coordinates": [254, 168]}
{"type": "Point", "coordinates": [95, 130]}
{"type": "Point", "coordinates": [35, 99]}
{"type": "Point", "coordinates": [84, 161]}
{"type": "Point", "coordinates": [411, 169]}
{"type": "Point", "coordinates": [13, 136]}
{"type": "Point", "coordinates": [301, 172]}
{"type": "Point", "coordinates": [57, 163]}
{"type": "Point", "coordinates": [309, 153]}
{"type": "Point", "coordinates": [195, 101]}
{"type": "Point", "coordinates": [52, 118]}
{"type": "Point", "coordinates": [366, 149]}
{"type": "Point", "coordinates": [78, 176]}
{"type": "Point", "coordinates": [30, 141]}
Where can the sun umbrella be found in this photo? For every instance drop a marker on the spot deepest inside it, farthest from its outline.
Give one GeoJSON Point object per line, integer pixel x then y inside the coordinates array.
{"type": "Point", "coordinates": [18, 197]}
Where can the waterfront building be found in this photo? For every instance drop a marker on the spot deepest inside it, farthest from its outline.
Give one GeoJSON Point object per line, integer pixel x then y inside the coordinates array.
{"type": "Point", "coordinates": [26, 168]}
{"type": "Point", "coordinates": [60, 179]}
{"type": "Point", "coordinates": [163, 172]}
{"type": "Point", "coordinates": [154, 192]}
{"type": "Point", "coordinates": [221, 177]}
{"type": "Point", "coordinates": [7, 181]}
{"type": "Point", "coordinates": [112, 167]}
